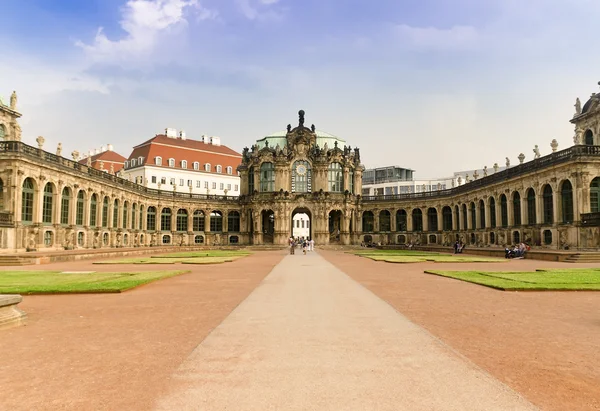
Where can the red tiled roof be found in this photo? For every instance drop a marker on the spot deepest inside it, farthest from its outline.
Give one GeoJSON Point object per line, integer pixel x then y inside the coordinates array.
{"type": "Point", "coordinates": [107, 157]}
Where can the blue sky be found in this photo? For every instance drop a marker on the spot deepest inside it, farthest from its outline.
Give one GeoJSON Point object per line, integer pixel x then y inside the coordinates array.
{"type": "Point", "coordinates": [436, 85]}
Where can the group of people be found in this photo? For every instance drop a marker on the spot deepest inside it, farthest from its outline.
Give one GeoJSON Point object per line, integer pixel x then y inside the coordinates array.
{"type": "Point", "coordinates": [517, 251]}
{"type": "Point", "coordinates": [304, 243]}
{"type": "Point", "coordinates": [459, 246]}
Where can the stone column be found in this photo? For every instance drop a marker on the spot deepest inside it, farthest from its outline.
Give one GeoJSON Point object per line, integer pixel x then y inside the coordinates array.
{"type": "Point", "coordinates": [477, 217]}
{"type": "Point", "coordinates": [409, 221]}
{"type": "Point", "coordinates": [510, 211]}
{"type": "Point", "coordinates": [524, 216]}
{"type": "Point", "coordinates": [556, 206]}
{"type": "Point", "coordinates": [440, 219]}
{"type": "Point", "coordinates": [455, 219]}
{"type": "Point", "coordinates": [393, 225]}
{"type": "Point", "coordinates": [425, 220]}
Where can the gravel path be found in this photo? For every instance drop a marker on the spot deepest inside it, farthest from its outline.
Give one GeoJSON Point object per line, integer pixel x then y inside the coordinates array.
{"type": "Point", "coordinates": [311, 338]}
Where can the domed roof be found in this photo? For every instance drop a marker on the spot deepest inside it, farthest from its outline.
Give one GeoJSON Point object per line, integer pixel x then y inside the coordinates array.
{"type": "Point", "coordinates": [588, 104]}
{"type": "Point", "coordinates": [279, 138]}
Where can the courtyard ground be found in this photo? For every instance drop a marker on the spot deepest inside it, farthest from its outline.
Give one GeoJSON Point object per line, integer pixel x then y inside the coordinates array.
{"type": "Point", "coordinates": [107, 352]}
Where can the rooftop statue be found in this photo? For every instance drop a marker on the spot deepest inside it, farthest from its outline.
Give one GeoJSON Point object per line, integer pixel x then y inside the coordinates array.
{"type": "Point", "coordinates": [13, 100]}
{"type": "Point", "coordinates": [301, 118]}
{"type": "Point", "coordinates": [577, 106]}
{"type": "Point", "coordinates": [289, 128]}
{"type": "Point", "coordinates": [536, 152]}
{"type": "Point", "coordinates": [313, 128]}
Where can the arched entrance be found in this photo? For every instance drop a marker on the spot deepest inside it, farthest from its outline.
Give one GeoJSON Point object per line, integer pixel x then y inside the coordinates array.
{"type": "Point", "coordinates": [301, 223]}
{"type": "Point", "coordinates": [268, 226]}
{"type": "Point", "coordinates": [335, 226]}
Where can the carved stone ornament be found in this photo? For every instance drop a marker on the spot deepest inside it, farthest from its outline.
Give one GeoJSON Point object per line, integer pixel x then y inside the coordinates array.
{"type": "Point", "coordinates": [40, 140]}
{"type": "Point", "coordinates": [521, 158]}
{"type": "Point", "coordinates": [554, 145]}
{"type": "Point", "coordinates": [495, 167]}
{"type": "Point", "coordinates": [536, 152]}
{"type": "Point", "coordinates": [475, 175]}
{"type": "Point", "coordinates": [59, 149]}
{"type": "Point", "coordinates": [507, 162]}
{"type": "Point", "coordinates": [75, 155]}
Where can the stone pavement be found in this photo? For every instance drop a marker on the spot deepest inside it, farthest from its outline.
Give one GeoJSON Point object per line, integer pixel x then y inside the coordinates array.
{"type": "Point", "coordinates": [310, 338]}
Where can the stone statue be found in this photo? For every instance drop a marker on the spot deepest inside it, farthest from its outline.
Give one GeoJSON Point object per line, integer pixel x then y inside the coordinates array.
{"type": "Point", "coordinates": [112, 168]}
{"type": "Point", "coordinates": [301, 118]}
{"type": "Point", "coordinates": [521, 158]}
{"type": "Point", "coordinates": [13, 101]}
{"type": "Point", "coordinates": [17, 131]}
{"type": "Point", "coordinates": [536, 152]}
{"type": "Point", "coordinates": [326, 147]}
{"type": "Point", "coordinates": [285, 150]}
{"type": "Point", "coordinates": [59, 149]}
{"type": "Point", "coordinates": [101, 164]}
{"type": "Point", "coordinates": [459, 180]}
{"type": "Point", "coordinates": [313, 128]}
{"type": "Point", "coordinates": [507, 162]}
{"type": "Point", "coordinates": [475, 175]}
{"type": "Point", "coordinates": [357, 155]}
{"type": "Point", "coordinates": [96, 240]}
{"type": "Point", "coordinates": [89, 161]}
{"type": "Point", "coordinates": [277, 149]}
{"type": "Point", "coordinates": [485, 171]}
{"type": "Point", "coordinates": [577, 107]}
{"type": "Point", "coordinates": [466, 178]}
{"type": "Point", "coordinates": [266, 143]}
{"type": "Point", "coordinates": [335, 145]}
{"type": "Point", "coordinates": [75, 155]}
{"type": "Point", "coordinates": [554, 145]}
{"type": "Point", "coordinates": [40, 140]}
{"type": "Point", "coordinates": [423, 188]}
{"type": "Point", "coordinates": [495, 166]}
{"type": "Point", "coordinates": [289, 128]}
{"type": "Point", "coordinates": [245, 152]}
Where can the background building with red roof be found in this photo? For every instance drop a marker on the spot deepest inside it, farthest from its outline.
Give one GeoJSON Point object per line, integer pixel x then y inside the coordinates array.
{"type": "Point", "coordinates": [104, 159]}
{"type": "Point", "coordinates": [171, 161]}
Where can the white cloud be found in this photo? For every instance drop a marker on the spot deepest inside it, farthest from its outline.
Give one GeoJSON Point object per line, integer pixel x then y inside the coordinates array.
{"type": "Point", "coordinates": [259, 9]}
{"type": "Point", "coordinates": [144, 21]}
{"type": "Point", "coordinates": [428, 38]}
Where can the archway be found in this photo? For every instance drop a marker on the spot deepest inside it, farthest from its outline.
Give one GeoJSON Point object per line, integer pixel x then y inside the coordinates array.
{"type": "Point", "coordinates": [301, 220]}
{"type": "Point", "coordinates": [335, 226]}
{"type": "Point", "coordinates": [268, 226]}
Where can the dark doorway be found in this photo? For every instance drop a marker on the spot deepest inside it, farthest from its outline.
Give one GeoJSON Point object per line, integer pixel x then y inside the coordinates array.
{"type": "Point", "coordinates": [268, 226]}
{"type": "Point", "coordinates": [335, 226]}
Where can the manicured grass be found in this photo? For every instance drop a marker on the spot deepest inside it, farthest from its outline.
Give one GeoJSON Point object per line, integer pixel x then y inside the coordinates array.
{"type": "Point", "coordinates": [541, 280]}
{"type": "Point", "coordinates": [207, 253]}
{"type": "Point", "coordinates": [409, 256]}
{"type": "Point", "coordinates": [152, 260]}
{"type": "Point", "coordinates": [373, 251]}
{"type": "Point", "coordinates": [50, 282]}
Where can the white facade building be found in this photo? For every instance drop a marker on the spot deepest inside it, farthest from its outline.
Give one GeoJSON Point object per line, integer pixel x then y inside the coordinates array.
{"type": "Point", "coordinates": [301, 228]}
{"type": "Point", "coordinates": [171, 161]}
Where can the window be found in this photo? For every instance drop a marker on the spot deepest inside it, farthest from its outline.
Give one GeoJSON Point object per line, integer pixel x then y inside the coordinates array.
{"type": "Point", "coordinates": [547, 237]}
{"type": "Point", "coordinates": [464, 217]}
{"type": "Point", "coordinates": [216, 221]}
{"type": "Point", "coordinates": [548, 207]}
{"type": "Point", "coordinates": [140, 160]}
{"type": "Point", "coordinates": [140, 222]}
{"type": "Point", "coordinates": [432, 219]}
{"type": "Point", "coordinates": [517, 208]}
{"type": "Point", "coordinates": [132, 162]}
{"type": "Point", "coordinates": [126, 164]}
{"type": "Point", "coordinates": [172, 181]}
{"type": "Point", "coordinates": [385, 221]}
{"type": "Point", "coordinates": [158, 161]}
{"type": "Point", "coordinates": [198, 221]}
{"type": "Point", "coordinates": [531, 214]}
{"type": "Point", "coordinates": [335, 176]}
{"type": "Point", "coordinates": [196, 165]}
{"type": "Point", "coordinates": [401, 220]}
{"type": "Point", "coordinates": [207, 167]}
{"type": "Point", "coordinates": [221, 185]}
{"type": "Point", "coordinates": [105, 212]}
{"type": "Point", "coordinates": [267, 177]}
{"type": "Point", "coordinates": [2, 132]}
{"type": "Point", "coordinates": [206, 184]}
{"type": "Point", "coordinates": [417, 217]}
{"type": "Point", "coordinates": [219, 169]}
{"type": "Point", "coordinates": [166, 239]}
{"type": "Point", "coordinates": [595, 195]}
{"type": "Point", "coordinates": [301, 177]}
{"type": "Point", "coordinates": [27, 201]}
{"type": "Point", "coordinates": [183, 164]}
{"type": "Point", "coordinates": [228, 186]}
{"type": "Point", "coordinates": [446, 218]}
{"type": "Point", "coordinates": [171, 162]}
{"type": "Point", "coordinates": [47, 204]}
{"type": "Point", "coordinates": [80, 238]}
{"type": "Point", "coordinates": [351, 183]}
{"type": "Point", "coordinates": [198, 239]}
{"type": "Point", "coordinates": [229, 170]}
{"type": "Point", "coordinates": [165, 219]}
{"type": "Point", "coordinates": [64, 206]}
{"type": "Point", "coordinates": [481, 214]}
{"type": "Point", "coordinates": [105, 239]}
{"type": "Point", "coordinates": [153, 179]}
{"type": "Point", "coordinates": [368, 221]}
{"type": "Point", "coordinates": [566, 195]}
{"type": "Point", "coordinates": [234, 239]}
{"type": "Point", "coordinates": [151, 219]}
{"type": "Point", "coordinates": [79, 209]}
{"type": "Point", "coordinates": [235, 188]}
{"type": "Point", "coordinates": [473, 217]}
{"type": "Point", "coordinates": [503, 211]}
{"type": "Point", "coordinates": [250, 180]}
{"type": "Point", "coordinates": [115, 222]}
{"type": "Point", "coordinates": [48, 238]}
{"type": "Point", "coordinates": [492, 212]}
{"type": "Point", "coordinates": [233, 221]}
{"type": "Point", "coordinates": [163, 180]}
{"type": "Point", "coordinates": [182, 219]}
{"type": "Point", "coordinates": [198, 184]}
{"type": "Point", "coordinates": [214, 186]}
{"type": "Point", "coordinates": [125, 214]}
{"type": "Point", "coordinates": [190, 183]}
{"type": "Point", "coordinates": [133, 215]}
{"type": "Point", "coordinates": [93, 210]}
{"type": "Point", "coordinates": [181, 182]}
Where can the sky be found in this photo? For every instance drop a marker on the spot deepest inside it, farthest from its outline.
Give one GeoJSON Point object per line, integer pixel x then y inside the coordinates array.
{"type": "Point", "coordinates": [433, 85]}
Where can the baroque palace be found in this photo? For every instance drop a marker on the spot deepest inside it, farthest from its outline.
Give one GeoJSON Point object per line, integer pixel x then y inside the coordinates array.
{"type": "Point", "coordinates": [49, 202]}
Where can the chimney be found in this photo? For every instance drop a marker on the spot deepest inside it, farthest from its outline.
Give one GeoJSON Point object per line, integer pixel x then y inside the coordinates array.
{"type": "Point", "coordinates": [109, 147]}
{"type": "Point", "coordinates": [215, 141]}
{"type": "Point", "coordinates": [182, 135]}
{"type": "Point", "coordinates": [171, 132]}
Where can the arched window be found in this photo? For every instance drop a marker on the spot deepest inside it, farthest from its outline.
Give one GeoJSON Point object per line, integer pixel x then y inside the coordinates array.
{"type": "Point", "coordinates": [335, 176]}
{"type": "Point", "coordinates": [105, 212]}
{"type": "Point", "coordinates": [473, 216]}
{"type": "Point", "coordinates": [165, 219]}
{"type": "Point", "coordinates": [566, 201]}
{"type": "Point", "coordinates": [301, 177]}
{"type": "Point", "coordinates": [132, 162]}
{"type": "Point", "coordinates": [531, 213]}
{"type": "Point", "coordinates": [47, 204]}
{"type": "Point", "coordinates": [115, 222]}
{"type": "Point", "coordinates": [481, 214]}
{"type": "Point", "coordinates": [80, 238]}
{"type": "Point", "coordinates": [182, 219]}
{"type": "Point", "coordinates": [368, 222]}
{"type": "Point", "coordinates": [589, 138]}
{"type": "Point", "coordinates": [385, 221]}
{"type": "Point", "coordinates": [457, 215]}
{"type": "Point", "coordinates": [27, 201]}
{"type": "Point", "coordinates": [401, 219]}
{"type": "Point", "coordinates": [2, 132]}
{"type": "Point", "coordinates": [267, 177]}
{"type": "Point", "coordinates": [79, 208]}
{"type": "Point", "coordinates": [229, 170]}
{"type": "Point", "coordinates": [151, 219]}
{"type": "Point", "coordinates": [140, 220]}
{"type": "Point", "coordinates": [492, 212]}
{"type": "Point", "coordinates": [517, 208]}
{"type": "Point", "coordinates": [417, 217]}
{"type": "Point", "coordinates": [1, 194]}
{"type": "Point", "coordinates": [158, 161]}
{"type": "Point", "coordinates": [65, 202]}
{"type": "Point", "coordinates": [432, 220]}
{"type": "Point", "coordinates": [196, 165]}
{"type": "Point", "coordinates": [133, 215]}
{"type": "Point", "coordinates": [198, 221]}
{"type": "Point", "coordinates": [125, 214]}
{"type": "Point", "coordinates": [207, 167]}
{"type": "Point", "coordinates": [171, 162]}
{"type": "Point", "coordinates": [251, 180]}
{"type": "Point", "coordinates": [93, 210]}
{"type": "Point", "coordinates": [503, 211]}
{"type": "Point", "coordinates": [233, 221]}
{"type": "Point", "coordinates": [446, 218]}
{"type": "Point", "coordinates": [219, 169]}
{"type": "Point", "coordinates": [216, 221]}
{"type": "Point", "coordinates": [464, 217]}
{"type": "Point", "coordinates": [548, 207]}
{"type": "Point", "coordinates": [351, 182]}
{"type": "Point", "coordinates": [595, 195]}
{"type": "Point", "coordinates": [140, 160]}
{"type": "Point", "coordinates": [183, 163]}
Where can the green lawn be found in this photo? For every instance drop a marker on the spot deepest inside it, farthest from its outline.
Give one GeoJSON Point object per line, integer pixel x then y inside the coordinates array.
{"type": "Point", "coordinates": [49, 282]}
{"type": "Point", "coordinates": [171, 260]}
{"type": "Point", "coordinates": [541, 280]}
{"type": "Point", "coordinates": [207, 253]}
{"type": "Point", "coordinates": [409, 256]}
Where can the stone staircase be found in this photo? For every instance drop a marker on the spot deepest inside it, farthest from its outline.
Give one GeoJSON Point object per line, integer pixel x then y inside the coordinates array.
{"type": "Point", "coordinates": [14, 260]}
{"type": "Point", "coordinates": [590, 257]}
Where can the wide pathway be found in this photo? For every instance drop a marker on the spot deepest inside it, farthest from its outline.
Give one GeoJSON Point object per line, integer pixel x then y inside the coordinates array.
{"type": "Point", "coordinates": [310, 338]}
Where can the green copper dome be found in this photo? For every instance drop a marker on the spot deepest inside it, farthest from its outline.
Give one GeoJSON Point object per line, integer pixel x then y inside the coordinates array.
{"type": "Point", "coordinates": [280, 138]}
